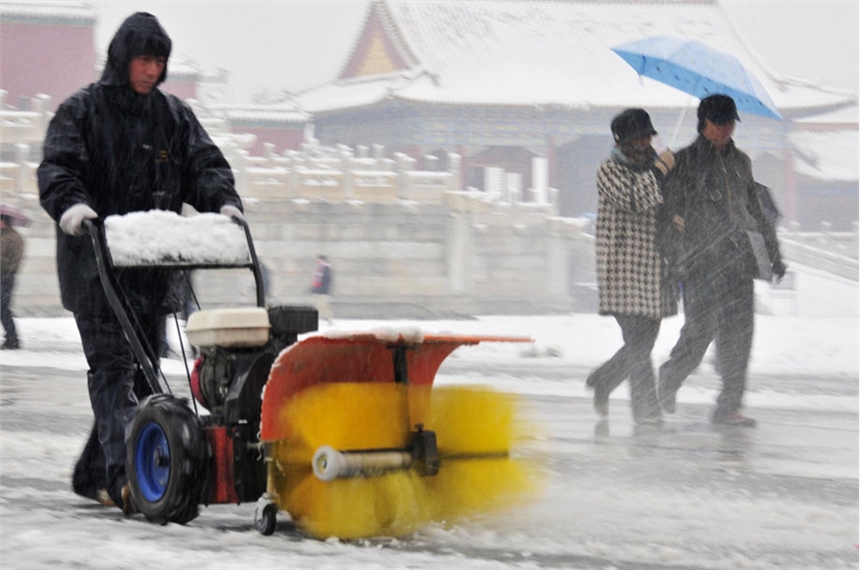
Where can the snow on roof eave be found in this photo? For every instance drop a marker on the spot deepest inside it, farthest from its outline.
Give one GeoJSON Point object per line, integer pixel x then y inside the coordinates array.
{"type": "Point", "coordinates": [403, 75]}
{"type": "Point", "coordinates": [359, 92]}
{"type": "Point", "coordinates": [842, 112]}
{"type": "Point", "coordinates": [352, 105]}
{"type": "Point", "coordinates": [345, 95]}
{"type": "Point", "coordinates": [421, 87]}
{"type": "Point", "coordinates": [579, 105]}
{"type": "Point", "coordinates": [782, 81]}
{"type": "Point", "coordinates": [826, 155]}
{"type": "Point", "coordinates": [75, 11]}
{"type": "Point", "coordinates": [268, 116]}
{"type": "Point", "coordinates": [844, 115]}
{"type": "Point", "coordinates": [805, 168]}
{"type": "Point", "coordinates": [280, 113]}
{"type": "Point", "coordinates": [789, 81]}
{"type": "Point", "coordinates": [795, 97]}
{"type": "Point", "coordinates": [804, 97]}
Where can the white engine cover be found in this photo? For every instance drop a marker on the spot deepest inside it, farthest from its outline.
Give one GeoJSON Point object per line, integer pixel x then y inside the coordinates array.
{"type": "Point", "coordinates": [246, 326]}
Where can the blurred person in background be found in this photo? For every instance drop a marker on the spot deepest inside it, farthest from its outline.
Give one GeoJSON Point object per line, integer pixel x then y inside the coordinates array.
{"type": "Point", "coordinates": [11, 252]}
{"type": "Point", "coordinates": [321, 287]}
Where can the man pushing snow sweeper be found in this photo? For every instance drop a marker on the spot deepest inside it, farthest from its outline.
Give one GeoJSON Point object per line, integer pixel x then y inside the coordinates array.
{"type": "Point", "coordinates": [121, 145]}
{"type": "Point", "coordinates": [341, 430]}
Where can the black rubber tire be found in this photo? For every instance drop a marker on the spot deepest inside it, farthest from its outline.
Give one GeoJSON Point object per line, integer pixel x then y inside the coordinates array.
{"type": "Point", "coordinates": [266, 519]}
{"type": "Point", "coordinates": [167, 460]}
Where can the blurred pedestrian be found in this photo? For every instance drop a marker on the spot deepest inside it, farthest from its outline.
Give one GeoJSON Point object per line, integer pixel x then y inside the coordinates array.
{"type": "Point", "coordinates": [630, 265]}
{"type": "Point", "coordinates": [117, 146]}
{"type": "Point", "coordinates": [321, 287]}
{"type": "Point", "coordinates": [713, 197]}
{"type": "Point", "coordinates": [11, 252]}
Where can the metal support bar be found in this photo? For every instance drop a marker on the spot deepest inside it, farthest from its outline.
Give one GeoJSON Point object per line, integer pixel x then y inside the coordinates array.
{"type": "Point", "coordinates": [255, 264]}
{"type": "Point", "coordinates": [97, 235]}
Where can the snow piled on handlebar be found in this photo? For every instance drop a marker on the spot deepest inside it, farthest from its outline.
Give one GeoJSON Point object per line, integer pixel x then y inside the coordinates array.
{"type": "Point", "coordinates": [158, 237]}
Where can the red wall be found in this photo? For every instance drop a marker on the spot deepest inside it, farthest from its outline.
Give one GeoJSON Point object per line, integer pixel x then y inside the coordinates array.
{"type": "Point", "coordinates": [182, 89]}
{"type": "Point", "coordinates": [284, 137]}
{"type": "Point", "coordinates": [55, 59]}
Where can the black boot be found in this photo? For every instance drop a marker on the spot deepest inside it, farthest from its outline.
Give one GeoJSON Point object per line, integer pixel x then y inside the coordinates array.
{"type": "Point", "coordinates": [89, 479]}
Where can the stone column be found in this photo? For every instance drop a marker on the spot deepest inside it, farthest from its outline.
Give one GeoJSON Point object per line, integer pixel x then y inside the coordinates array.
{"type": "Point", "coordinates": [556, 261]}
{"type": "Point", "coordinates": [455, 181]}
{"type": "Point", "coordinates": [404, 165]}
{"type": "Point", "coordinates": [459, 253]}
{"type": "Point", "coordinates": [540, 181]}
{"type": "Point", "coordinates": [23, 178]}
{"type": "Point", "coordinates": [42, 105]}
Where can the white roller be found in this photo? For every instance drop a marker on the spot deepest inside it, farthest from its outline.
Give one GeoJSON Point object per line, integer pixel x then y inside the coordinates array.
{"type": "Point", "coordinates": [330, 464]}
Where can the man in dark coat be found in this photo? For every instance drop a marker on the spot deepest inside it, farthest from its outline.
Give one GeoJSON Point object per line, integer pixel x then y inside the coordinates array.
{"type": "Point", "coordinates": [117, 146]}
{"type": "Point", "coordinates": [713, 198]}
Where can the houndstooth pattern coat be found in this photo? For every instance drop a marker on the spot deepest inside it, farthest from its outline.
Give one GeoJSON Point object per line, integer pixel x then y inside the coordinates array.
{"type": "Point", "coordinates": [629, 263]}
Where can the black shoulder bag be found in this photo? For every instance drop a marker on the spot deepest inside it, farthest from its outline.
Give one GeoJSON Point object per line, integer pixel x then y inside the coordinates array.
{"type": "Point", "coordinates": [750, 243]}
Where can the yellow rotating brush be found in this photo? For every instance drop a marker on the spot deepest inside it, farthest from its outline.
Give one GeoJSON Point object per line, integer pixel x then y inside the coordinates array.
{"type": "Point", "coordinates": [368, 430]}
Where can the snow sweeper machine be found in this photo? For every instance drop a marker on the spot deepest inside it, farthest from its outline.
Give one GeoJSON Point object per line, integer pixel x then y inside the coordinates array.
{"type": "Point", "coordinates": [343, 431]}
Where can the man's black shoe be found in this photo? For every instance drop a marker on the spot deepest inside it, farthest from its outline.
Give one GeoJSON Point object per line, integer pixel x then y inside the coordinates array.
{"type": "Point", "coordinates": [736, 419]}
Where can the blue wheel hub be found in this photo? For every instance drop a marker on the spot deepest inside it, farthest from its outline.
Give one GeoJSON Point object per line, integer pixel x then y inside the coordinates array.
{"type": "Point", "coordinates": [152, 462]}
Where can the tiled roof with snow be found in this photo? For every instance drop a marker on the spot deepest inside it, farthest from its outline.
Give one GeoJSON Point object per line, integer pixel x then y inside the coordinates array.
{"type": "Point", "coordinates": [283, 113]}
{"type": "Point", "coordinates": [843, 116]}
{"type": "Point", "coordinates": [827, 155]}
{"type": "Point", "coordinates": [548, 53]}
{"type": "Point", "coordinates": [48, 11]}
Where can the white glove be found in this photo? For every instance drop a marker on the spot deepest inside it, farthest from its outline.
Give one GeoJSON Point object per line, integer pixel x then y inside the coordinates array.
{"type": "Point", "coordinates": [72, 220]}
{"type": "Point", "coordinates": [232, 212]}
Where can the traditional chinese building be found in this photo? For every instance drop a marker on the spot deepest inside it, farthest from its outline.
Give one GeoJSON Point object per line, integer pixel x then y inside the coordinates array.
{"type": "Point", "coordinates": [277, 127]}
{"type": "Point", "coordinates": [501, 83]}
{"type": "Point", "coordinates": [46, 48]}
{"type": "Point", "coordinates": [522, 91]}
{"type": "Point", "coordinates": [826, 170]}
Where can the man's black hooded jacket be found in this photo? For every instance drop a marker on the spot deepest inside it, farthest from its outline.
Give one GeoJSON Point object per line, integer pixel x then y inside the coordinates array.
{"type": "Point", "coordinates": [118, 152]}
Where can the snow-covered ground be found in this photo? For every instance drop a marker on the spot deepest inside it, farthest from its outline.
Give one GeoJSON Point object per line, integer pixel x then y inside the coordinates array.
{"type": "Point", "coordinates": [812, 329]}
{"type": "Point", "coordinates": [781, 495]}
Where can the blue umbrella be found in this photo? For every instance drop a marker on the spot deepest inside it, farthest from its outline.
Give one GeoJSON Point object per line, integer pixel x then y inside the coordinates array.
{"type": "Point", "coordinates": [698, 70]}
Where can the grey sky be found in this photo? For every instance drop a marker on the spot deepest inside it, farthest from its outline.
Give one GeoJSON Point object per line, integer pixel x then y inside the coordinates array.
{"type": "Point", "coordinates": [295, 44]}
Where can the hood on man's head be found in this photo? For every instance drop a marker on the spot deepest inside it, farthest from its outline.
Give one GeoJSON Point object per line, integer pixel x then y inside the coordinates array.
{"type": "Point", "coordinates": [139, 34]}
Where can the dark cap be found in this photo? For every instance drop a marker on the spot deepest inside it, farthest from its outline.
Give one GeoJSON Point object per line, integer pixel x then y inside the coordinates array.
{"type": "Point", "coordinates": [632, 124]}
{"type": "Point", "coordinates": [719, 109]}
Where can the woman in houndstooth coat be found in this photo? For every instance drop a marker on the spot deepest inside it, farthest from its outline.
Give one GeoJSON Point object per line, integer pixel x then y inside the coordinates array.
{"type": "Point", "coordinates": [630, 264]}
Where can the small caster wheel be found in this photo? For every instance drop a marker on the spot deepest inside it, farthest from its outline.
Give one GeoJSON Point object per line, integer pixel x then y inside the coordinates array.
{"type": "Point", "coordinates": [265, 517]}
